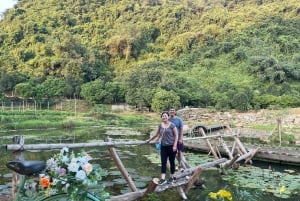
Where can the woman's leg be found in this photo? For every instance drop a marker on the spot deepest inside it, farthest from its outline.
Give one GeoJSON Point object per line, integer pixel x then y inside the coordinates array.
{"type": "Point", "coordinates": [163, 158]}
{"type": "Point", "coordinates": [172, 156]}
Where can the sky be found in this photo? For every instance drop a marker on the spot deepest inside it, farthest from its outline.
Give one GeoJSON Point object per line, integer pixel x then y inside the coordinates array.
{"type": "Point", "coordinates": [5, 4]}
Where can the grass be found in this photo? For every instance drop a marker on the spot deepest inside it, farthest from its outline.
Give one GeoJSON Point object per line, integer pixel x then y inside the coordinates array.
{"type": "Point", "coordinates": [85, 115]}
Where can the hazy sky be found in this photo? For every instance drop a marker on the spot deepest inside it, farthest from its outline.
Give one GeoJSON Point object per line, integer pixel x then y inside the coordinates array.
{"type": "Point", "coordinates": [4, 4]}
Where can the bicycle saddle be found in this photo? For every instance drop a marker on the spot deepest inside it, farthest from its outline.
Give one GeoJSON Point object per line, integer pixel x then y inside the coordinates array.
{"type": "Point", "coordinates": [27, 168]}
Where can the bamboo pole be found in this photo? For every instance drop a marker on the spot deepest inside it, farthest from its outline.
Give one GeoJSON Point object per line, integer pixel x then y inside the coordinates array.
{"type": "Point", "coordinates": [15, 147]}
{"type": "Point", "coordinates": [233, 148]}
{"type": "Point", "coordinates": [249, 155]}
{"type": "Point", "coordinates": [225, 147]}
{"type": "Point", "coordinates": [184, 164]}
{"type": "Point", "coordinates": [229, 163]}
{"type": "Point", "coordinates": [192, 179]}
{"type": "Point", "coordinates": [238, 142]}
{"type": "Point", "coordinates": [190, 171]}
{"type": "Point", "coordinates": [151, 187]}
{"type": "Point", "coordinates": [181, 193]}
{"type": "Point", "coordinates": [208, 144]}
{"type": "Point", "coordinates": [121, 167]}
{"type": "Point", "coordinates": [210, 136]}
{"type": "Point", "coordinates": [253, 152]}
{"type": "Point", "coordinates": [18, 155]}
{"type": "Point", "coordinates": [127, 196]}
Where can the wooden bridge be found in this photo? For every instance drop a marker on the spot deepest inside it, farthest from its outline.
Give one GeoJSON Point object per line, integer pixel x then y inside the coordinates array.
{"type": "Point", "coordinates": [215, 144]}
{"type": "Point", "coordinates": [235, 152]}
{"type": "Point", "coordinates": [185, 180]}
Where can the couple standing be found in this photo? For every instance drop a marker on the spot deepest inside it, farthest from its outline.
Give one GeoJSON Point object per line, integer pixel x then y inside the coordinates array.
{"type": "Point", "coordinates": [170, 131]}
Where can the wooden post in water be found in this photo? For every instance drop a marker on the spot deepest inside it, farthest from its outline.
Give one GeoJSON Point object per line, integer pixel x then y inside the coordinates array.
{"type": "Point", "coordinates": [151, 187]}
{"type": "Point", "coordinates": [121, 167]}
{"type": "Point", "coordinates": [208, 144]}
{"type": "Point", "coordinates": [18, 155]}
{"type": "Point", "coordinates": [238, 142]}
{"type": "Point", "coordinates": [193, 179]}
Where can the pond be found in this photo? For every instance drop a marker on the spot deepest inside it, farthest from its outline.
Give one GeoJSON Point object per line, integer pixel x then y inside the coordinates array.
{"type": "Point", "coordinates": [142, 163]}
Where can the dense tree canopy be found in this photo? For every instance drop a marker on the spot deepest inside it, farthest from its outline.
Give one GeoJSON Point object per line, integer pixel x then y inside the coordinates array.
{"type": "Point", "coordinates": [222, 53]}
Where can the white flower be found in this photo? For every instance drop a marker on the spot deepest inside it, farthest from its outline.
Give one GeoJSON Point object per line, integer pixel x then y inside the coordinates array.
{"type": "Point", "coordinates": [83, 160]}
{"type": "Point", "coordinates": [51, 164]}
{"type": "Point", "coordinates": [74, 160]}
{"type": "Point", "coordinates": [80, 175]}
{"type": "Point", "coordinates": [54, 182]}
{"type": "Point", "coordinates": [73, 167]}
{"type": "Point", "coordinates": [65, 159]}
{"type": "Point", "coordinates": [53, 191]}
{"type": "Point", "coordinates": [64, 150]}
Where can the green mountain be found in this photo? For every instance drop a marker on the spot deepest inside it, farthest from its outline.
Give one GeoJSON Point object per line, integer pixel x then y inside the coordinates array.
{"type": "Point", "coordinates": [241, 54]}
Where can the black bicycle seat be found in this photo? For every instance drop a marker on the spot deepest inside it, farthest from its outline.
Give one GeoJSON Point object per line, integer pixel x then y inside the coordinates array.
{"type": "Point", "coordinates": [27, 168]}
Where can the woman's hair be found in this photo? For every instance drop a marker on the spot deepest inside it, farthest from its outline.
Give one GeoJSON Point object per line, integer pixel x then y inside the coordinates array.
{"type": "Point", "coordinates": [167, 113]}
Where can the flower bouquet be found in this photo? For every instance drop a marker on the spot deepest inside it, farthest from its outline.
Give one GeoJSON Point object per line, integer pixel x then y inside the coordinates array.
{"type": "Point", "coordinates": [67, 172]}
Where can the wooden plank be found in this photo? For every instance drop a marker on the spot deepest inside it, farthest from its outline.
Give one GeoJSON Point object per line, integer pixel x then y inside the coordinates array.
{"type": "Point", "coordinates": [189, 171]}
{"type": "Point", "coordinates": [182, 178]}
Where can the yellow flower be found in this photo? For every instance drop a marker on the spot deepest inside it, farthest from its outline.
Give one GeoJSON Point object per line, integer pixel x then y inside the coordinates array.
{"type": "Point", "coordinates": [282, 189]}
{"type": "Point", "coordinates": [225, 194]}
{"type": "Point", "coordinates": [213, 195]}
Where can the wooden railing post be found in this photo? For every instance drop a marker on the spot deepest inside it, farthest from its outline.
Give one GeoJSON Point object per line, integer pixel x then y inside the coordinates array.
{"type": "Point", "coordinates": [121, 167]}
{"type": "Point", "coordinates": [18, 155]}
{"type": "Point", "coordinates": [208, 144]}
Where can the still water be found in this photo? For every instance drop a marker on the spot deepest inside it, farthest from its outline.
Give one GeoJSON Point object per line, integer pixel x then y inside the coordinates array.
{"type": "Point", "coordinates": [135, 159]}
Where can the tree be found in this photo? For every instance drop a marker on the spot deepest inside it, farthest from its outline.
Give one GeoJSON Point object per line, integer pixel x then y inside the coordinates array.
{"type": "Point", "coordinates": [141, 84]}
{"type": "Point", "coordinates": [51, 88]}
{"type": "Point", "coordinates": [163, 100]}
{"type": "Point", "coordinates": [25, 90]}
{"type": "Point", "coordinates": [241, 101]}
{"type": "Point", "coordinates": [116, 90]}
{"type": "Point", "coordinates": [95, 92]}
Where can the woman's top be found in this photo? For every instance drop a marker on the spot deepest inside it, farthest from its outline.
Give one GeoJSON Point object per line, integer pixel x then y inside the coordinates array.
{"type": "Point", "coordinates": [167, 134]}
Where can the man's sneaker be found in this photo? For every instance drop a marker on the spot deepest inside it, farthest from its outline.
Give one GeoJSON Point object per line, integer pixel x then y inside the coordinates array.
{"type": "Point", "coordinates": [171, 180]}
{"type": "Point", "coordinates": [162, 182]}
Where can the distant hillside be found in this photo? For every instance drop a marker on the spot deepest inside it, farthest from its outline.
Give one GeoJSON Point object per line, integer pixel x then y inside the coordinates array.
{"type": "Point", "coordinates": [241, 54]}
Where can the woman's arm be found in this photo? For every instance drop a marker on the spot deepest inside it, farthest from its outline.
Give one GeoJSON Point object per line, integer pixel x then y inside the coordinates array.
{"type": "Point", "coordinates": [154, 136]}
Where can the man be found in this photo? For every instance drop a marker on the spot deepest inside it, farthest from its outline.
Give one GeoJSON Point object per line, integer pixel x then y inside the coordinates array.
{"type": "Point", "coordinates": [179, 125]}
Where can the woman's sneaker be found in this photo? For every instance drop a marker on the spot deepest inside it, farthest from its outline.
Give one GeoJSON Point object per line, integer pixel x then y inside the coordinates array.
{"type": "Point", "coordinates": [171, 180]}
{"type": "Point", "coordinates": [162, 182]}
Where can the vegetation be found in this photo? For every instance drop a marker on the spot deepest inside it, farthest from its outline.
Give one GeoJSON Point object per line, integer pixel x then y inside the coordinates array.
{"type": "Point", "coordinates": [68, 119]}
{"type": "Point", "coordinates": [241, 54]}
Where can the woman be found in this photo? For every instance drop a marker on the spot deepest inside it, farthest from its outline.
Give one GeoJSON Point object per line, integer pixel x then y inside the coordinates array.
{"type": "Point", "coordinates": [167, 131]}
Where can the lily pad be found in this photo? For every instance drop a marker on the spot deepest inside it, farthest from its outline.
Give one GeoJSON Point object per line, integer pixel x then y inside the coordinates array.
{"type": "Point", "coordinates": [280, 184]}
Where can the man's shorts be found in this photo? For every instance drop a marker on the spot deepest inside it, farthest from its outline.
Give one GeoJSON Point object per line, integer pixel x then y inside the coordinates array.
{"type": "Point", "coordinates": [180, 147]}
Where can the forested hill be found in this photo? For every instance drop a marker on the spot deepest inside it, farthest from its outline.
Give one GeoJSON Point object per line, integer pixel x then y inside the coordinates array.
{"type": "Point", "coordinates": [242, 54]}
